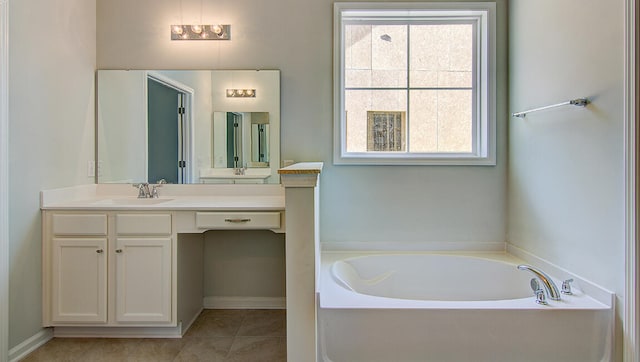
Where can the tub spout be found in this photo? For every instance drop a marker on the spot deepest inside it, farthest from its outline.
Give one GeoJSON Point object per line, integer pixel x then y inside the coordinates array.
{"type": "Point", "coordinates": [549, 285]}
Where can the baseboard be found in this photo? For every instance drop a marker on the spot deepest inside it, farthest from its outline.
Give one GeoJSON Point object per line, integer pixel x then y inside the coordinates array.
{"type": "Point", "coordinates": [186, 326]}
{"type": "Point", "coordinates": [31, 344]}
{"type": "Point", "coordinates": [118, 332]}
{"type": "Point", "coordinates": [244, 303]}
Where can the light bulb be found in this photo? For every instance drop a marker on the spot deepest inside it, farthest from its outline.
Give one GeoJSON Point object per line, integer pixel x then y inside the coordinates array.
{"type": "Point", "coordinates": [250, 92]}
{"type": "Point", "coordinates": [216, 29]}
{"type": "Point", "coordinates": [230, 92]}
{"type": "Point", "coordinates": [177, 29]}
{"type": "Point", "coordinates": [196, 29]}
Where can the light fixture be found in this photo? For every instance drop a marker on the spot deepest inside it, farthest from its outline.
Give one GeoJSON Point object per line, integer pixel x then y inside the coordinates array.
{"type": "Point", "coordinates": [241, 93]}
{"type": "Point", "coordinates": [201, 32]}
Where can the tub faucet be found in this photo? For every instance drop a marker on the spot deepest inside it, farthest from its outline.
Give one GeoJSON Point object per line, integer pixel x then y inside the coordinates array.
{"type": "Point", "coordinates": [549, 285]}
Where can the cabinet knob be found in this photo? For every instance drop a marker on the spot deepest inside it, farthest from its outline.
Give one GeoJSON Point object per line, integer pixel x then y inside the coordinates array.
{"type": "Point", "coordinates": [118, 250]}
{"type": "Point", "coordinates": [99, 251]}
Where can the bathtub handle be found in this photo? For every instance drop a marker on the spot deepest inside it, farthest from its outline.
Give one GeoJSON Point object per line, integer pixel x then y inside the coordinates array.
{"type": "Point", "coordinates": [566, 287]}
{"type": "Point", "coordinates": [540, 297]}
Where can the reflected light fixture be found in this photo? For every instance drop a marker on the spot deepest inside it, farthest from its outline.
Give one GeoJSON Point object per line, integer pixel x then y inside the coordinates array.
{"type": "Point", "coordinates": [201, 32]}
{"type": "Point", "coordinates": [241, 93]}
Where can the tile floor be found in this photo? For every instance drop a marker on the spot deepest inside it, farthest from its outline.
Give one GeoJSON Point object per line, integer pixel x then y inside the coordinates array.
{"type": "Point", "coordinates": [217, 335]}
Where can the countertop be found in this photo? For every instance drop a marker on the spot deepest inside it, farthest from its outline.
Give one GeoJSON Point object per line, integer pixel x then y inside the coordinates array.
{"type": "Point", "coordinates": [249, 197]}
{"type": "Point", "coordinates": [172, 197]}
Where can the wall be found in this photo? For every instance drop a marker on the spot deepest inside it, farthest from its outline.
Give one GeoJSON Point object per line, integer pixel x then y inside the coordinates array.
{"type": "Point", "coordinates": [51, 130]}
{"type": "Point", "coordinates": [244, 264]}
{"type": "Point", "coordinates": [358, 203]}
{"type": "Point", "coordinates": [566, 176]}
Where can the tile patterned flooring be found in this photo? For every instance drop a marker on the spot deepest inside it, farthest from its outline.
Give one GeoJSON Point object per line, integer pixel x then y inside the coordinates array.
{"type": "Point", "coordinates": [217, 335]}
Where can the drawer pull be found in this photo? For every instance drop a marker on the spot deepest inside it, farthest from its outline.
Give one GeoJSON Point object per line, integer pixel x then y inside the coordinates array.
{"type": "Point", "coordinates": [99, 251]}
{"type": "Point", "coordinates": [237, 221]}
{"type": "Point", "coordinates": [118, 251]}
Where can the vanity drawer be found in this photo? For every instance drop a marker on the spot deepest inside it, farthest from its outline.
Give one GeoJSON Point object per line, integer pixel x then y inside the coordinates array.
{"type": "Point", "coordinates": [238, 220]}
{"type": "Point", "coordinates": [143, 224]}
{"type": "Point", "coordinates": [79, 224]}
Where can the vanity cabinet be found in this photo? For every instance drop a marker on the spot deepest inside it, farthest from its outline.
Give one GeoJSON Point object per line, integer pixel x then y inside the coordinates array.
{"type": "Point", "coordinates": [117, 266]}
{"type": "Point", "coordinates": [79, 274]}
{"type": "Point", "coordinates": [108, 268]}
{"type": "Point", "coordinates": [143, 268]}
{"type": "Point", "coordinates": [78, 262]}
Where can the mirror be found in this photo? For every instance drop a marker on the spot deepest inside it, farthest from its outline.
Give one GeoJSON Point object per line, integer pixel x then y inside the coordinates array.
{"type": "Point", "coordinates": [188, 126]}
{"type": "Point", "coordinates": [241, 149]}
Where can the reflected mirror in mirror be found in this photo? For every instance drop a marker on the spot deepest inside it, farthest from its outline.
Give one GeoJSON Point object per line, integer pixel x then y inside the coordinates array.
{"type": "Point", "coordinates": [247, 142]}
{"type": "Point", "coordinates": [180, 125]}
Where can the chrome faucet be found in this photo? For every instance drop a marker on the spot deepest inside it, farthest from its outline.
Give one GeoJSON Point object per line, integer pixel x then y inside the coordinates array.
{"type": "Point", "coordinates": [143, 190]}
{"type": "Point", "coordinates": [549, 285]}
{"type": "Point", "coordinates": [145, 193]}
{"type": "Point", "coordinates": [154, 191]}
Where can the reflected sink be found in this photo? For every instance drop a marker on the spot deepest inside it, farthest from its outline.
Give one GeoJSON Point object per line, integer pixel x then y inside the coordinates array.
{"type": "Point", "coordinates": [131, 201]}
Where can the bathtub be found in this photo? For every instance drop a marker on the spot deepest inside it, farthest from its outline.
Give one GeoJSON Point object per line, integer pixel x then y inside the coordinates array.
{"type": "Point", "coordinates": [451, 307]}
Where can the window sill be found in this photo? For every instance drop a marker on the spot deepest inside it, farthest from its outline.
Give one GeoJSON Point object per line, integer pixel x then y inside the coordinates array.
{"type": "Point", "coordinates": [403, 160]}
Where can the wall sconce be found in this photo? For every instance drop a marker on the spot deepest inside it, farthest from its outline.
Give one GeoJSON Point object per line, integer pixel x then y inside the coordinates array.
{"type": "Point", "coordinates": [201, 32]}
{"type": "Point", "coordinates": [241, 93]}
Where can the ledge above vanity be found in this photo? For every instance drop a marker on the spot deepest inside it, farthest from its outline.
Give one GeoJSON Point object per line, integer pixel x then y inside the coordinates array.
{"type": "Point", "coordinates": [172, 197]}
{"type": "Point", "coordinates": [303, 174]}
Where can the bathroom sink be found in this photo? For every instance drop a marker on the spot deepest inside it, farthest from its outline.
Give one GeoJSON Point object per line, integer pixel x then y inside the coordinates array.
{"type": "Point", "coordinates": [131, 201]}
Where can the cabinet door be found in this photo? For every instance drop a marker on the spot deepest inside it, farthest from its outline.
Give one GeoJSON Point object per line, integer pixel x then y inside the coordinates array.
{"type": "Point", "coordinates": [143, 280]}
{"type": "Point", "coordinates": [79, 290]}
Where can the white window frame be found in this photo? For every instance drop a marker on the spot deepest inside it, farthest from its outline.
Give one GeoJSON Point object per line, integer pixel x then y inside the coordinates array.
{"type": "Point", "coordinates": [484, 137]}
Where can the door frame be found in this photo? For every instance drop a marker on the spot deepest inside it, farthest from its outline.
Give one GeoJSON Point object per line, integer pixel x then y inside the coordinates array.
{"type": "Point", "coordinates": [189, 129]}
{"type": "Point", "coordinates": [631, 335]}
{"type": "Point", "coordinates": [4, 180]}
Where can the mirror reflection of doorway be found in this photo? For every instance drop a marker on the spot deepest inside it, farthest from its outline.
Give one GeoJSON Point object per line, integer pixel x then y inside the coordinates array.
{"type": "Point", "coordinates": [166, 133]}
{"type": "Point", "coordinates": [234, 140]}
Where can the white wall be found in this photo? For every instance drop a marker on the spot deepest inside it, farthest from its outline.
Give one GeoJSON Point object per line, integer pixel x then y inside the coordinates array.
{"type": "Point", "coordinates": [566, 177]}
{"type": "Point", "coordinates": [358, 203]}
{"type": "Point", "coordinates": [51, 130]}
{"type": "Point", "coordinates": [244, 264]}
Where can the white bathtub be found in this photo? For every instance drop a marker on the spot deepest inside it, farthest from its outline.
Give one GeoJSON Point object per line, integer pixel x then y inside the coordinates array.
{"type": "Point", "coordinates": [451, 307]}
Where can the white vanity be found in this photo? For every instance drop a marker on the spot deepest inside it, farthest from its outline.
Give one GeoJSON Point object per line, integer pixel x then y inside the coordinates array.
{"type": "Point", "coordinates": [118, 266]}
{"type": "Point", "coordinates": [113, 260]}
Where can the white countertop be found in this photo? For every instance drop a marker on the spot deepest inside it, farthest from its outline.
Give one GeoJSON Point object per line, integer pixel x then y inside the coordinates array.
{"type": "Point", "coordinates": [180, 197]}
{"type": "Point", "coordinates": [172, 197]}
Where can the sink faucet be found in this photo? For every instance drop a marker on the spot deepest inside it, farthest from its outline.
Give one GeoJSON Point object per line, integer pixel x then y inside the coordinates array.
{"type": "Point", "coordinates": [143, 190]}
{"type": "Point", "coordinates": [145, 193]}
{"type": "Point", "coordinates": [154, 191]}
{"type": "Point", "coordinates": [549, 285]}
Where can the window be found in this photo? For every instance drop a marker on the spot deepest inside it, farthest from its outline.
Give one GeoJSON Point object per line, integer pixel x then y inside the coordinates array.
{"type": "Point", "coordinates": [414, 83]}
{"type": "Point", "coordinates": [386, 131]}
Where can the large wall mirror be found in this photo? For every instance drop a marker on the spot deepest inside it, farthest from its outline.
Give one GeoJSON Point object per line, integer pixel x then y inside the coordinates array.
{"type": "Point", "coordinates": [188, 126]}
